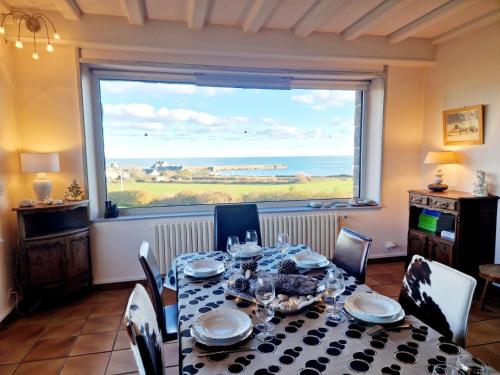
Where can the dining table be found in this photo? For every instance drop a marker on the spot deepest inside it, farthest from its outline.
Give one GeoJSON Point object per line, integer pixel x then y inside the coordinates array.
{"type": "Point", "coordinates": [306, 342]}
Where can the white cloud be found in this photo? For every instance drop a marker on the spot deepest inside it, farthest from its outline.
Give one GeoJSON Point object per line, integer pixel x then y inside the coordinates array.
{"type": "Point", "coordinates": [322, 99]}
{"type": "Point", "coordinates": [139, 88]}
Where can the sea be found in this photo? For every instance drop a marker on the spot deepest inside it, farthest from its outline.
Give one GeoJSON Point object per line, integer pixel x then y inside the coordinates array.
{"type": "Point", "coordinates": [315, 166]}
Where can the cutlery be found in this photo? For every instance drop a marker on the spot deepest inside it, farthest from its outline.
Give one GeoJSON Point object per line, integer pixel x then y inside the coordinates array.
{"type": "Point", "coordinates": [348, 316]}
{"type": "Point", "coordinates": [378, 328]}
{"type": "Point", "coordinates": [206, 354]}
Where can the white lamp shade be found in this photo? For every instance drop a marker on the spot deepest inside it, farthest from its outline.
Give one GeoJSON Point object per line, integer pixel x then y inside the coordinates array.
{"type": "Point", "coordinates": [440, 157]}
{"type": "Point", "coordinates": [40, 162]}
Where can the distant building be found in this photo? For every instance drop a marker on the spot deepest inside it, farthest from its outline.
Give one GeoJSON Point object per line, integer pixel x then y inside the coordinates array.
{"type": "Point", "coordinates": [161, 166]}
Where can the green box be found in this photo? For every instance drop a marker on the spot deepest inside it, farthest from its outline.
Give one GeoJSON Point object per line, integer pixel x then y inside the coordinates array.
{"type": "Point", "coordinates": [427, 222]}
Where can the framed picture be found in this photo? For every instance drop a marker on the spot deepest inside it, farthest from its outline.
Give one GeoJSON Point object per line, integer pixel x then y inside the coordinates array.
{"type": "Point", "coordinates": [463, 126]}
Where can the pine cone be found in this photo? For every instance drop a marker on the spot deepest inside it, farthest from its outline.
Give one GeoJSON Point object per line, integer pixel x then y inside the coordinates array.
{"type": "Point", "coordinates": [250, 265]}
{"type": "Point", "coordinates": [287, 267]}
{"type": "Point", "coordinates": [242, 285]}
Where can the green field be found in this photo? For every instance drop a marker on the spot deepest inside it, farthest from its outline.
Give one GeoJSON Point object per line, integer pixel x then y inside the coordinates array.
{"type": "Point", "coordinates": [158, 193]}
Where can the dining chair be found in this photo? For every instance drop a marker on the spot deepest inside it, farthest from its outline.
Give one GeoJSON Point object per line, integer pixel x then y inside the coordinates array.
{"type": "Point", "coordinates": [166, 315]}
{"type": "Point", "coordinates": [143, 332]}
{"type": "Point", "coordinates": [438, 295]}
{"type": "Point", "coordinates": [351, 253]}
{"type": "Point", "coordinates": [235, 220]}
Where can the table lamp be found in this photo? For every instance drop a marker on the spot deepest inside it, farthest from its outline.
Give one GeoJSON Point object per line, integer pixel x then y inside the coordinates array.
{"type": "Point", "coordinates": [439, 158]}
{"type": "Point", "coordinates": [41, 164]}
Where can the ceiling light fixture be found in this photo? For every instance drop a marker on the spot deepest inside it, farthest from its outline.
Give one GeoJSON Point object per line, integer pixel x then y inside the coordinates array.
{"type": "Point", "coordinates": [34, 23]}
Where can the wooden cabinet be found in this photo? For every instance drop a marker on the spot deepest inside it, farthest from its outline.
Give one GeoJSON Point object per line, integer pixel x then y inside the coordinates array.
{"type": "Point", "coordinates": [54, 249]}
{"type": "Point", "coordinates": [472, 219]}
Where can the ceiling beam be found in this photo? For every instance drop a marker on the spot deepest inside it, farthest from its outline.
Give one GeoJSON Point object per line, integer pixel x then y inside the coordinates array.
{"type": "Point", "coordinates": [445, 10]}
{"type": "Point", "coordinates": [474, 24]}
{"type": "Point", "coordinates": [135, 11]}
{"type": "Point", "coordinates": [4, 8]}
{"type": "Point", "coordinates": [69, 9]}
{"type": "Point", "coordinates": [259, 14]}
{"type": "Point", "coordinates": [359, 27]}
{"type": "Point", "coordinates": [198, 13]}
{"type": "Point", "coordinates": [317, 15]}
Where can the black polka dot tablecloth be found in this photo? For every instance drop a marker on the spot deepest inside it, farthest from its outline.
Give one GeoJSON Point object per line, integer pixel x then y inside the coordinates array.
{"type": "Point", "coordinates": [305, 343]}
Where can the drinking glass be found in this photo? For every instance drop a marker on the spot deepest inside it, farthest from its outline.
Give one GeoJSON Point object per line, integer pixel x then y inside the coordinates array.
{"type": "Point", "coordinates": [264, 294]}
{"type": "Point", "coordinates": [233, 246]}
{"type": "Point", "coordinates": [334, 287]}
{"type": "Point", "coordinates": [468, 364]}
{"type": "Point", "coordinates": [283, 242]}
{"type": "Point", "coordinates": [445, 369]}
{"type": "Point", "coordinates": [251, 237]}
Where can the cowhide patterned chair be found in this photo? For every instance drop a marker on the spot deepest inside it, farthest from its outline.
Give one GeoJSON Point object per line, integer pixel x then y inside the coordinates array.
{"type": "Point", "coordinates": [166, 315]}
{"type": "Point", "coordinates": [144, 334]}
{"type": "Point", "coordinates": [438, 295]}
{"type": "Point", "coordinates": [351, 253]}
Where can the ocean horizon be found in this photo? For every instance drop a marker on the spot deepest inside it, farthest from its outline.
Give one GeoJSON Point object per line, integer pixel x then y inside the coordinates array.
{"type": "Point", "coordinates": [316, 166]}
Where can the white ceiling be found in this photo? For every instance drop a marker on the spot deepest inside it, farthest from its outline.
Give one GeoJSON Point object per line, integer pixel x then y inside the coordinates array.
{"type": "Point", "coordinates": [395, 19]}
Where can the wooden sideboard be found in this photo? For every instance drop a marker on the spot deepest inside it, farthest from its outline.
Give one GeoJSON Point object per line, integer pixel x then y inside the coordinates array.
{"type": "Point", "coordinates": [473, 219]}
{"type": "Point", "coordinates": [54, 249]}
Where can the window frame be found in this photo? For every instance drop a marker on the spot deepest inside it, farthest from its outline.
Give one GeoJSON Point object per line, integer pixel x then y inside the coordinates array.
{"type": "Point", "coordinates": [359, 81]}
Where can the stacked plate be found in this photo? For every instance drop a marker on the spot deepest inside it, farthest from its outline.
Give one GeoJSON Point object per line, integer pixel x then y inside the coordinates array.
{"type": "Point", "coordinates": [374, 308]}
{"type": "Point", "coordinates": [249, 251]}
{"type": "Point", "coordinates": [204, 268]}
{"type": "Point", "coordinates": [222, 327]}
{"type": "Point", "coordinates": [310, 260]}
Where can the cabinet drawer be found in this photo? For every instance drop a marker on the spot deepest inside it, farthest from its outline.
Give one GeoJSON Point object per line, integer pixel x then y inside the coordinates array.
{"type": "Point", "coordinates": [418, 199]}
{"type": "Point", "coordinates": [443, 204]}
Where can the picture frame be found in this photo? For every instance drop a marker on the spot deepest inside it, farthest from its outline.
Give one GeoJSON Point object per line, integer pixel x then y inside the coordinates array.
{"type": "Point", "coordinates": [464, 126]}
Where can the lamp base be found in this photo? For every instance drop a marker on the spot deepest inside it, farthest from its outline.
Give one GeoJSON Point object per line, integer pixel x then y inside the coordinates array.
{"type": "Point", "coordinates": [42, 187]}
{"type": "Point", "coordinates": [437, 187]}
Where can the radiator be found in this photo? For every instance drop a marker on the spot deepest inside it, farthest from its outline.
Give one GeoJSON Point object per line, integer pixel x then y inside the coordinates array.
{"type": "Point", "coordinates": [317, 231]}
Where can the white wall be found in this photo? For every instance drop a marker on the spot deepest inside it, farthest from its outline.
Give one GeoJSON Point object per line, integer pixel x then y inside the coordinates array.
{"type": "Point", "coordinates": [9, 176]}
{"type": "Point", "coordinates": [467, 72]}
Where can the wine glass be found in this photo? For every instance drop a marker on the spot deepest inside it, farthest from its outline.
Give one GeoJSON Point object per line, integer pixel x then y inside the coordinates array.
{"type": "Point", "coordinates": [233, 246]}
{"type": "Point", "coordinates": [264, 294]}
{"type": "Point", "coordinates": [334, 287]}
{"type": "Point", "coordinates": [251, 237]}
{"type": "Point", "coordinates": [445, 369]}
{"type": "Point", "coordinates": [471, 365]}
{"type": "Point", "coordinates": [283, 242]}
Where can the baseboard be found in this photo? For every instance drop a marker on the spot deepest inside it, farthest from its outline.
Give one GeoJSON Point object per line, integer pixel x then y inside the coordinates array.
{"type": "Point", "coordinates": [383, 258]}
{"type": "Point", "coordinates": [116, 280]}
{"type": "Point", "coordinates": [118, 285]}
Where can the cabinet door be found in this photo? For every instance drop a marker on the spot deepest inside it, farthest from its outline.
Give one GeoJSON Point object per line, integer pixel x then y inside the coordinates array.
{"type": "Point", "coordinates": [440, 251]}
{"type": "Point", "coordinates": [45, 263]}
{"type": "Point", "coordinates": [78, 256]}
{"type": "Point", "coordinates": [416, 244]}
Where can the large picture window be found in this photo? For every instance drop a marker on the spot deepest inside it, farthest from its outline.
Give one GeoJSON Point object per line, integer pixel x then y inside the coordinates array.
{"type": "Point", "coordinates": [168, 144]}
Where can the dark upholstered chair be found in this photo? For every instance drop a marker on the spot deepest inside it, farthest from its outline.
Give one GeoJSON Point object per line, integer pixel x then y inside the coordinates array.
{"type": "Point", "coordinates": [439, 296]}
{"type": "Point", "coordinates": [234, 220]}
{"type": "Point", "coordinates": [144, 334]}
{"type": "Point", "coordinates": [166, 315]}
{"type": "Point", "coordinates": [351, 253]}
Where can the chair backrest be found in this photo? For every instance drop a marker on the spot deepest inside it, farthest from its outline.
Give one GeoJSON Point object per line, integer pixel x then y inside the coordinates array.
{"type": "Point", "coordinates": [439, 296]}
{"type": "Point", "coordinates": [145, 336]}
{"type": "Point", "coordinates": [351, 253]}
{"type": "Point", "coordinates": [234, 220]}
{"type": "Point", "coordinates": [154, 280]}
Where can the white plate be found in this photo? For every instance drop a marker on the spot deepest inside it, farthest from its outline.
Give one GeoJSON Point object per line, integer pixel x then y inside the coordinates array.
{"type": "Point", "coordinates": [321, 265]}
{"type": "Point", "coordinates": [393, 319]}
{"type": "Point", "coordinates": [309, 258]}
{"type": "Point", "coordinates": [249, 251]}
{"type": "Point", "coordinates": [208, 342]}
{"type": "Point", "coordinates": [222, 324]}
{"type": "Point", "coordinates": [372, 305]}
{"type": "Point", "coordinates": [204, 268]}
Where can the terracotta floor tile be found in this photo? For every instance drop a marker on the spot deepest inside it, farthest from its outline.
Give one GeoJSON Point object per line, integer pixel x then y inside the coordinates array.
{"type": "Point", "coordinates": [24, 333]}
{"type": "Point", "coordinates": [94, 343]}
{"type": "Point", "coordinates": [64, 328]}
{"type": "Point", "coordinates": [102, 324]}
{"type": "Point", "coordinates": [121, 361]}
{"type": "Point", "coordinates": [118, 295]}
{"type": "Point", "coordinates": [51, 348]}
{"type": "Point", "coordinates": [171, 354]}
{"type": "Point", "coordinates": [488, 356]}
{"type": "Point", "coordinates": [41, 317]}
{"type": "Point", "coordinates": [172, 370]}
{"type": "Point", "coordinates": [73, 312]}
{"type": "Point", "coordinates": [495, 347]}
{"type": "Point", "coordinates": [48, 367]}
{"type": "Point", "coordinates": [122, 341]}
{"type": "Point", "coordinates": [169, 297]}
{"type": "Point", "coordinates": [13, 353]}
{"type": "Point", "coordinates": [388, 278]}
{"type": "Point", "coordinates": [371, 282]}
{"type": "Point", "coordinates": [91, 364]}
{"type": "Point", "coordinates": [484, 332]}
{"type": "Point", "coordinates": [7, 369]}
{"type": "Point", "coordinates": [106, 309]}
{"type": "Point", "coordinates": [379, 268]}
{"type": "Point", "coordinates": [390, 290]}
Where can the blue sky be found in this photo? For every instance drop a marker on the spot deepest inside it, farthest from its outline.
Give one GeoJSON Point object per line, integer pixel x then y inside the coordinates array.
{"type": "Point", "coordinates": [184, 120]}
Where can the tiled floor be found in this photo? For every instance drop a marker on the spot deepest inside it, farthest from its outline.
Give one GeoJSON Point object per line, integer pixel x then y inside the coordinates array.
{"type": "Point", "coordinates": [87, 336]}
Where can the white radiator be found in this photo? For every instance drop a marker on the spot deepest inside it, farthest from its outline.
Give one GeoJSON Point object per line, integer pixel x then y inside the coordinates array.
{"type": "Point", "coordinates": [317, 231]}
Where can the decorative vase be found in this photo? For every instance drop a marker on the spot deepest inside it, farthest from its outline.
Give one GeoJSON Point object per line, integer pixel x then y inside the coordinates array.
{"type": "Point", "coordinates": [480, 184]}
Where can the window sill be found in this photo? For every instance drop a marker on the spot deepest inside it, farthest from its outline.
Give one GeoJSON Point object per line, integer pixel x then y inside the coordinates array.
{"type": "Point", "coordinates": [206, 213]}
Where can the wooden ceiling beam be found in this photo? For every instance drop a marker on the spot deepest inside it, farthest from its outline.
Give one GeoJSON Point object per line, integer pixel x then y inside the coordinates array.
{"type": "Point", "coordinates": [359, 27]}
{"type": "Point", "coordinates": [317, 15]}
{"type": "Point", "coordinates": [69, 9]}
{"type": "Point", "coordinates": [135, 10]}
{"type": "Point", "coordinates": [198, 13]}
{"type": "Point", "coordinates": [259, 14]}
{"type": "Point", "coordinates": [474, 24]}
{"type": "Point", "coordinates": [445, 10]}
